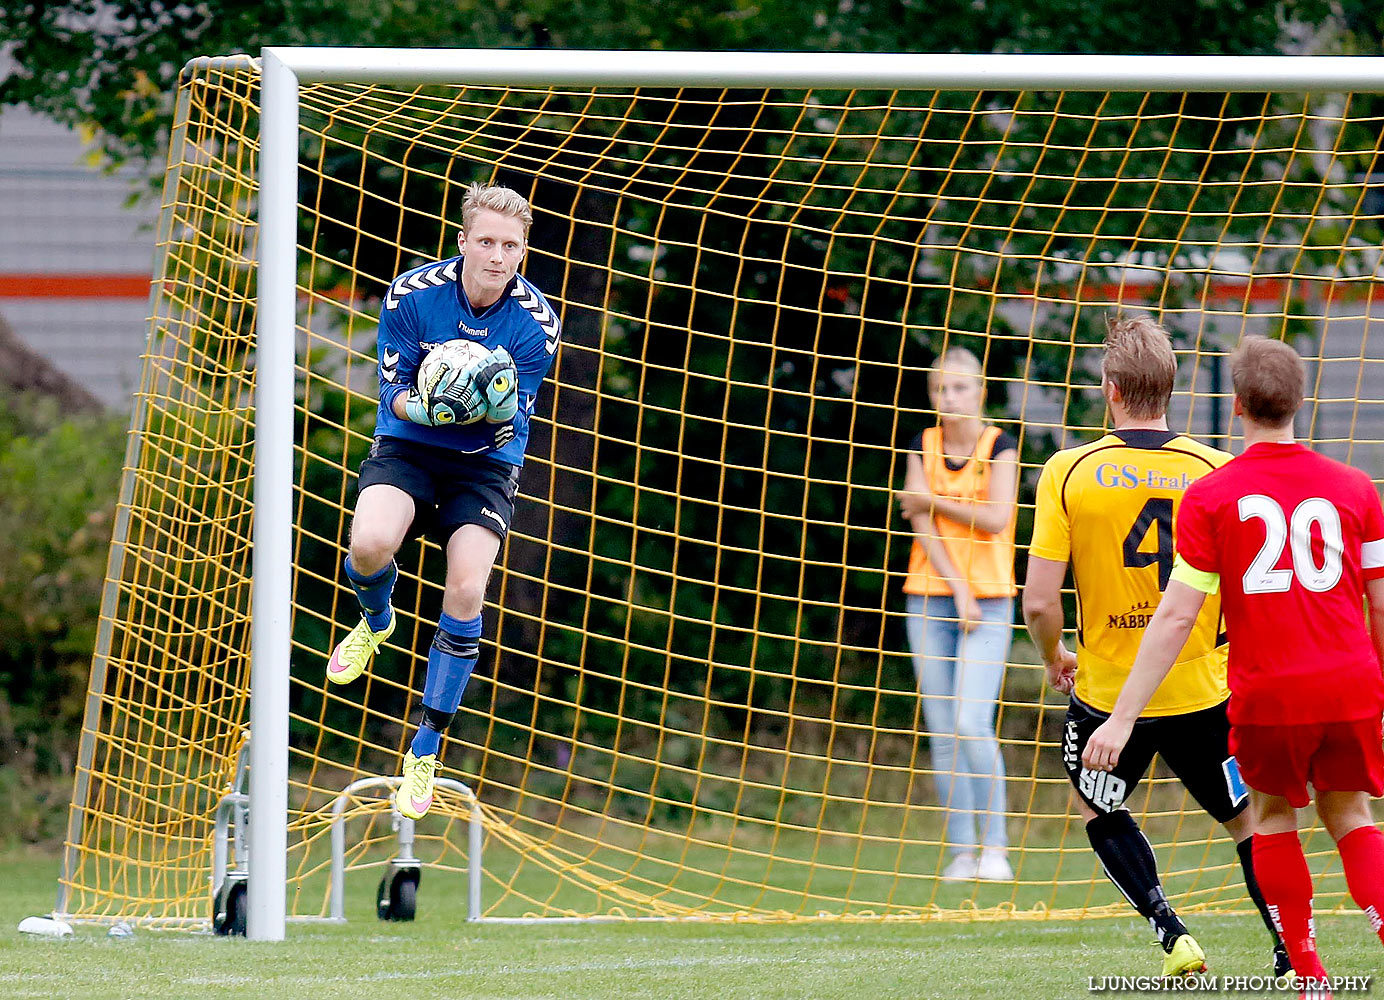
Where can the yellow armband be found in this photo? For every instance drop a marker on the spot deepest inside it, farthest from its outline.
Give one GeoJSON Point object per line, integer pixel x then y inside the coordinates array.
{"type": "Point", "coordinates": [1184, 572]}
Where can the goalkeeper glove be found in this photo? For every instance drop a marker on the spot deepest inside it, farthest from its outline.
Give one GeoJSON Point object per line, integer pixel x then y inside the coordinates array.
{"type": "Point", "coordinates": [449, 397]}
{"type": "Point", "coordinates": [498, 382]}
{"type": "Point", "coordinates": [487, 387]}
{"type": "Point", "coordinates": [419, 409]}
{"type": "Point", "coordinates": [457, 398]}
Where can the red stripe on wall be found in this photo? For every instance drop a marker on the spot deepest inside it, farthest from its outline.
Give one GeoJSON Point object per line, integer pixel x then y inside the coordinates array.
{"type": "Point", "coordinates": [74, 286]}
{"type": "Point", "coordinates": [136, 286]}
{"type": "Point", "coordinates": [1225, 290]}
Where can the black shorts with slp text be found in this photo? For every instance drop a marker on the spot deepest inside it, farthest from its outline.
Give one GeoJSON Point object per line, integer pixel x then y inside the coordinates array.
{"type": "Point", "coordinates": [449, 488]}
{"type": "Point", "coordinates": [1195, 746]}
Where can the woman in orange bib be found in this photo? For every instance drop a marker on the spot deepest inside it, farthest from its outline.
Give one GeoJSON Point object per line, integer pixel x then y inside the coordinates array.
{"type": "Point", "coordinates": [959, 496]}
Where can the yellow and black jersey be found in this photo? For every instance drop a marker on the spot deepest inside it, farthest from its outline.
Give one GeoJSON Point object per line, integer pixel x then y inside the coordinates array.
{"type": "Point", "coordinates": [1108, 508]}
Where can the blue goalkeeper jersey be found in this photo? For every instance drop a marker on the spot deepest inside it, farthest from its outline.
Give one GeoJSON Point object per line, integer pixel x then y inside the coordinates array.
{"type": "Point", "coordinates": [427, 306]}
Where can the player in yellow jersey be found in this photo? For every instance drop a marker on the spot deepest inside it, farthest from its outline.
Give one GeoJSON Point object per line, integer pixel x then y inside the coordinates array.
{"type": "Point", "coordinates": [1107, 509]}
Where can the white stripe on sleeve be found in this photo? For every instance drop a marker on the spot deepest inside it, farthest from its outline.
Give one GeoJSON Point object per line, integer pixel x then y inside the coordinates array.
{"type": "Point", "coordinates": [1372, 554]}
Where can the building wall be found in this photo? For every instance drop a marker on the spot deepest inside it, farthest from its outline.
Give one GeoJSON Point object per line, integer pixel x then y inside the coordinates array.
{"type": "Point", "coordinates": [1344, 415]}
{"type": "Point", "coordinates": [75, 261]}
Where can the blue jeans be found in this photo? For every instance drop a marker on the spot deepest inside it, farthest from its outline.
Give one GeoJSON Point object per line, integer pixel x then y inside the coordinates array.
{"type": "Point", "coordinates": [959, 674]}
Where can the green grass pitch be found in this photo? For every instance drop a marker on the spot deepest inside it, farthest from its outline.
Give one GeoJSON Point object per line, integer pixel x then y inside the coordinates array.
{"type": "Point", "coordinates": [440, 955]}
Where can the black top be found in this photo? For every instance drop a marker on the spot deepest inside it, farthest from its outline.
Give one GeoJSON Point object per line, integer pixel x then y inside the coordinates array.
{"type": "Point", "coordinates": [1005, 442]}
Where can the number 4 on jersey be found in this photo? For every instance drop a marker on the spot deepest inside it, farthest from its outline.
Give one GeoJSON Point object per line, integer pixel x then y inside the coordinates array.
{"type": "Point", "coordinates": [1157, 515]}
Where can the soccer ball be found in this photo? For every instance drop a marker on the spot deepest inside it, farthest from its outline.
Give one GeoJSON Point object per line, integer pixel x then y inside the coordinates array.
{"type": "Point", "coordinates": [446, 381]}
{"type": "Point", "coordinates": [458, 355]}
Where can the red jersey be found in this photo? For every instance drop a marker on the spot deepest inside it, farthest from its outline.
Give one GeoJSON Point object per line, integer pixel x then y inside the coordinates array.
{"type": "Point", "coordinates": [1293, 536]}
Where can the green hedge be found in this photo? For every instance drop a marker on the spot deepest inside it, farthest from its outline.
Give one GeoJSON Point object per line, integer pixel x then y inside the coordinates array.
{"type": "Point", "coordinates": [59, 478]}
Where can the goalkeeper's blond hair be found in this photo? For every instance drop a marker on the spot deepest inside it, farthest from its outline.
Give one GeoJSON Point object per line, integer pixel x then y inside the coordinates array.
{"type": "Point", "coordinates": [503, 200]}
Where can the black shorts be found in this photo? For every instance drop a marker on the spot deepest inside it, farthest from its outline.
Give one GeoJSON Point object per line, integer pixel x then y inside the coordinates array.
{"type": "Point", "coordinates": [1195, 746]}
{"type": "Point", "coordinates": [449, 488]}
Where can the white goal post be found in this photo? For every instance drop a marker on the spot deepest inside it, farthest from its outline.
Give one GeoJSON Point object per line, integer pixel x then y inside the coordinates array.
{"type": "Point", "coordinates": [284, 68]}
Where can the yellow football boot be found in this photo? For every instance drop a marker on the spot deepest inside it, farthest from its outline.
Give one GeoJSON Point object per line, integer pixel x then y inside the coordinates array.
{"type": "Point", "coordinates": [415, 794]}
{"type": "Point", "coordinates": [352, 654]}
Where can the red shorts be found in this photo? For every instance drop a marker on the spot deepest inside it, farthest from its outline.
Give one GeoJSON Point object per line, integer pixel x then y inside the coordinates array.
{"type": "Point", "coordinates": [1333, 756]}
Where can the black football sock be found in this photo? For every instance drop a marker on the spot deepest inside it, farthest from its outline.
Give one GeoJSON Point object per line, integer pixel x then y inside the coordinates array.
{"type": "Point", "coordinates": [1128, 861]}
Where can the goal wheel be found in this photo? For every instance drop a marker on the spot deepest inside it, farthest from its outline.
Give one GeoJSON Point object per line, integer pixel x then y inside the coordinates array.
{"type": "Point", "coordinates": [397, 898]}
{"type": "Point", "coordinates": [228, 907]}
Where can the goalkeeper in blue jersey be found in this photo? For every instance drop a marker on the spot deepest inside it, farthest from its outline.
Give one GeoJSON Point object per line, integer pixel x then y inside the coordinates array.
{"type": "Point", "coordinates": [447, 455]}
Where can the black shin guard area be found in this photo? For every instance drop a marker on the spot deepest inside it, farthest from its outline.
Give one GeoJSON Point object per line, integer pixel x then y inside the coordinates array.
{"type": "Point", "coordinates": [436, 719]}
{"type": "Point", "coordinates": [1128, 860]}
{"type": "Point", "coordinates": [465, 647]}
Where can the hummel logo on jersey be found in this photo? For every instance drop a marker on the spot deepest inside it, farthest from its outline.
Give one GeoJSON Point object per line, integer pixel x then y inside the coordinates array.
{"type": "Point", "coordinates": [471, 331]}
{"type": "Point", "coordinates": [541, 311]}
{"type": "Point", "coordinates": [429, 277]}
{"type": "Point", "coordinates": [389, 365]}
{"type": "Point", "coordinates": [487, 512]}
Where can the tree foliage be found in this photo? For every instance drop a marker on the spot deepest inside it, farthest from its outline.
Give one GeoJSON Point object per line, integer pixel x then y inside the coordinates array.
{"type": "Point", "coordinates": [112, 67]}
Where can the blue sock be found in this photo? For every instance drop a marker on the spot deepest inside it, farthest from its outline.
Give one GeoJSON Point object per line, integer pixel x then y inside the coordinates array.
{"type": "Point", "coordinates": [374, 592]}
{"type": "Point", "coordinates": [451, 659]}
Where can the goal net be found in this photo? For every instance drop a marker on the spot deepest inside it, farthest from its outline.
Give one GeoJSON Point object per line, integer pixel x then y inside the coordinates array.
{"type": "Point", "coordinates": [695, 697]}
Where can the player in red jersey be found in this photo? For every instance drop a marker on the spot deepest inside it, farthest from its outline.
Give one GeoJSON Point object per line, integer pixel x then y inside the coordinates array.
{"type": "Point", "coordinates": [1292, 539]}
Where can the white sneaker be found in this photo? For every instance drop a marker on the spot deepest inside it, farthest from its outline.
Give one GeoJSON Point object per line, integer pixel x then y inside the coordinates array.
{"type": "Point", "coordinates": [963, 868]}
{"type": "Point", "coordinates": [994, 866]}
